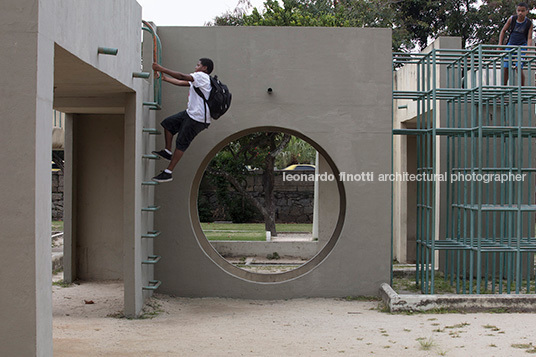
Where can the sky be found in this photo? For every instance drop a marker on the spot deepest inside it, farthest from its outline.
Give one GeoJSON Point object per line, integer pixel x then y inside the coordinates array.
{"type": "Point", "coordinates": [187, 12]}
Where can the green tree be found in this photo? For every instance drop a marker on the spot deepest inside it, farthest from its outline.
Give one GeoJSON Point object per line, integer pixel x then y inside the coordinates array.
{"type": "Point", "coordinates": [414, 22]}
{"type": "Point", "coordinates": [321, 13]}
{"type": "Point", "coordinates": [255, 151]}
{"type": "Point", "coordinates": [298, 151]}
{"type": "Point", "coordinates": [492, 17]}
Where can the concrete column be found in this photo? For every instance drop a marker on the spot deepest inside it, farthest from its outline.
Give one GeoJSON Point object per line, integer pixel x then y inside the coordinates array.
{"type": "Point", "coordinates": [69, 203]}
{"type": "Point", "coordinates": [132, 247]}
{"type": "Point", "coordinates": [26, 141]}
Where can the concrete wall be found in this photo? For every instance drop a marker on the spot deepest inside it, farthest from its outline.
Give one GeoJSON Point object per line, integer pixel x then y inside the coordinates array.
{"type": "Point", "coordinates": [37, 36]}
{"type": "Point", "coordinates": [26, 99]}
{"type": "Point", "coordinates": [331, 85]}
{"type": "Point", "coordinates": [302, 250]}
{"type": "Point", "coordinates": [404, 155]}
{"type": "Point", "coordinates": [98, 150]}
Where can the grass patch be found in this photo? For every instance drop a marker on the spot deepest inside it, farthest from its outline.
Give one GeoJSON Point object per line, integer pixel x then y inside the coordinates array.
{"type": "Point", "coordinates": [236, 236]}
{"type": "Point", "coordinates": [463, 324]}
{"type": "Point", "coordinates": [362, 298]}
{"type": "Point", "coordinates": [522, 346]}
{"type": "Point", "coordinates": [57, 226]}
{"type": "Point", "coordinates": [491, 327]}
{"type": "Point", "coordinates": [62, 284]}
{"type": "Point", "coordinates": [443, 285]}
{"type": "Point", "coordinates": [249, 231]}
{"type": "Point", "coordinates": [426, 344]}
{"type": "Point", "coordinates": [442, 310]}
{"type": "Point", "coordinates": [151, 309]}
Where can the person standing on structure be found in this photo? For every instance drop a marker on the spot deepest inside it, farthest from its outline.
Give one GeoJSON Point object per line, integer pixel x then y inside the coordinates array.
{"type": "Point", "coordinates": [190, 122]}
{"type": "Point", "coordinates": [520, 35]}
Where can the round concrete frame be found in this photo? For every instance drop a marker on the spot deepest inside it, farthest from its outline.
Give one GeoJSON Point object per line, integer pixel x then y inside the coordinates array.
{"type": "Point", "coordinates": [244, 274]}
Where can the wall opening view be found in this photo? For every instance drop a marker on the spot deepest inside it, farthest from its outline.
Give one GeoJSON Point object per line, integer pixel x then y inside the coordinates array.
{"type": "Point", "coordinates": [268, 202]}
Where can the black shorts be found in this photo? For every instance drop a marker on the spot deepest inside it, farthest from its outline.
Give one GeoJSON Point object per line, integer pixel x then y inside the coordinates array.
{"type": "Point", "coordinates": [186, 128]}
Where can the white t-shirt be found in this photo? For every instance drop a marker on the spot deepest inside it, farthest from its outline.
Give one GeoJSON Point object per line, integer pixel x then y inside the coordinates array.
{"type": "Point", "coordinates": [196, 105]}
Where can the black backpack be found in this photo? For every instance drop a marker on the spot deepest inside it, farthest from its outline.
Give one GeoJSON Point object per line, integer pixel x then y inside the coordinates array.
{"type": "Point", "coordinates": [219, 99]}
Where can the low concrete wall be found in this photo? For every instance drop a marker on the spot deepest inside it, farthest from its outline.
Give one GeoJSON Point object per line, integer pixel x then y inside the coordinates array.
{"type": "Point", "coordinates": [57, 195]}
{"type": "Point", "coordinates": [467, 303]}
{"type": "Point", "coordinates": [294, 201]}
{"type": "Point", "coordinates": [302, 250]}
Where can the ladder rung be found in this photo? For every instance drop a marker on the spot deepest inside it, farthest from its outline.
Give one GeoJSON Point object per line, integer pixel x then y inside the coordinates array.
{"type": "Point", "coordinates": [153, 285]}
{"type": "Point", "coordinates": [150, 183]}
{"type": "Point", "coordinates": [152, 105]}
{"type": "Point", "coordinates": [151, 208]}
{"type": "Point", "coordinates": [152, 259]}
{"type": "Point", "coordinates": [152, 131]}
{"type": "Point", "coordinates": [151, 234]}
{"type": "Point", "coordinates": [151, 157]}
{"type": "Point", "coordinates": [141, 75]}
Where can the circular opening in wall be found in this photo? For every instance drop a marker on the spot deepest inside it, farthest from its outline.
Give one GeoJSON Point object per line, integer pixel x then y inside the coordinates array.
{"type": "Point", "coordinates": [267, 204]}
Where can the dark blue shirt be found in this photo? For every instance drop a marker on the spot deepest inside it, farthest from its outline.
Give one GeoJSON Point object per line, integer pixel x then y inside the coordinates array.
{"type": "Point", "coordinates": [518, 37]}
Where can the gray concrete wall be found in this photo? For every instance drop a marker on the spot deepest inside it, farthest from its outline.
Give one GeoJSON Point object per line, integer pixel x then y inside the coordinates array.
{"type": "Point", "coordinates": [98, 149]}
{"type": "Point", "coordinates": [26, 99]}
{"type": "Point", "coordinates": [36, 36]}
{"type": "Point", "coordinates": [331, 85]}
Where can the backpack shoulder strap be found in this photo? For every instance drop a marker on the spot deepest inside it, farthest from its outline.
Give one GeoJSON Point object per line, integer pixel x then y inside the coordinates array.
{"type": "Point", "coordinates": [513, 23]}
{"type": "Point", "coordinates": [198, 91]}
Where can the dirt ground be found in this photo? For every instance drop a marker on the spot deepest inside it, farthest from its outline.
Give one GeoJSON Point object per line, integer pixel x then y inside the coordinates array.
{"type": "Point", "coordinates": [302, 327]}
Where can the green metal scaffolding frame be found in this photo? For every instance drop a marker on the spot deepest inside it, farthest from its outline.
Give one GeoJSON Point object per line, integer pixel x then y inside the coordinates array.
{"type": "Point", "coordinates": [480, 195]}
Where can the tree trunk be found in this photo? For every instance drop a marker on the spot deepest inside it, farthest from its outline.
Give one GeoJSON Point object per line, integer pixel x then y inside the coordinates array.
{"type": "Point", "coordinates": [269, 199]}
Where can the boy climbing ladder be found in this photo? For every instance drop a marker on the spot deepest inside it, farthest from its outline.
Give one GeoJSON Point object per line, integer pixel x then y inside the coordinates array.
{"type": "Point", "coordinates": [190, 122]}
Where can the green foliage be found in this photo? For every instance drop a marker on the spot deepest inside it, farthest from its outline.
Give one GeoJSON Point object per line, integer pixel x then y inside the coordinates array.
{"type": "Point", "coordinates": [492, 17]}
{"type": "Point", "coordinates": [238, 160]}
{"type": "Point", "coordinates": [298, 151]}
{"type": "Point", "coordinates": [413, 22]}
{"type": "Point", "coordinates": [241, 210]}
{"type": "Point", "coordinates": [203, 208]}
{"type": "Point", "coordinates": [274, 255]}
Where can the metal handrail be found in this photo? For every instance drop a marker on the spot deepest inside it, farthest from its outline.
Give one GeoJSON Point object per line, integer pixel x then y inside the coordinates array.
{"type": "Point", "coordinates": [157, 58]}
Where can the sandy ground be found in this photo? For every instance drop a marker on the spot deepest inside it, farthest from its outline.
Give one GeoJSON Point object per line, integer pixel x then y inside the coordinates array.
{"type": "Point", "coordinates": [301, 327]}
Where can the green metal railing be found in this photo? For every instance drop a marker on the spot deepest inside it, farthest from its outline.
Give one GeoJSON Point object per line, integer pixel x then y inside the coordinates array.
{"type": "Point", "coordinates": [157, 58]}
{"type": "Point", "coordinates": [484, 132]}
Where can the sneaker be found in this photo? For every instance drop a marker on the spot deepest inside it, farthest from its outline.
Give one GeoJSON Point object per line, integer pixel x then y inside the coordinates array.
{"type": "Point", "coordinates": [163, 154]}
{"type": "Point", "coordinates": [163, 177]}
